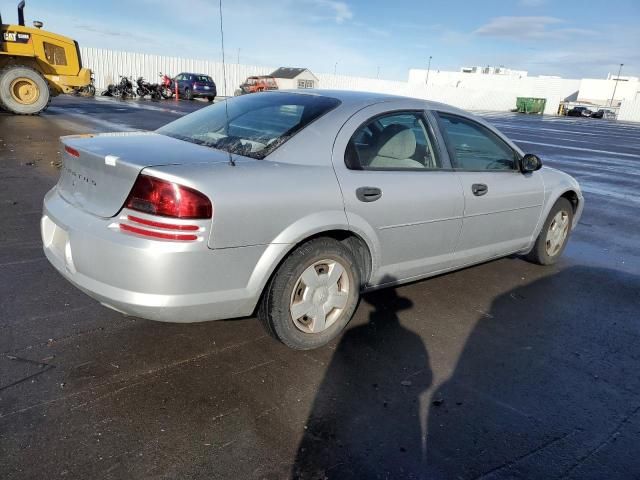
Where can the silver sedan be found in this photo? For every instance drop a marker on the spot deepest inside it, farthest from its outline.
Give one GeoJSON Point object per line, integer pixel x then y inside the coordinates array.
{"type": "Point", "coordinates": [290, 204]}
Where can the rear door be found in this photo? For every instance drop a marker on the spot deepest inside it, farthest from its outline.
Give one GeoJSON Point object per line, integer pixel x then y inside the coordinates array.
{"type": "Point", "coordinates": [398, 190]}
{"type": "Point", "coordinates": [501, 205]}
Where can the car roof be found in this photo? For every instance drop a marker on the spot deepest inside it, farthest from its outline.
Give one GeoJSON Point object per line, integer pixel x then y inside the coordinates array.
{"type": "Point", "coordinates": [353, 98]}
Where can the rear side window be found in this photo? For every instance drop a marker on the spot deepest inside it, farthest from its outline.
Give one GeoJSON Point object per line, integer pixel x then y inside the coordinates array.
{"type": "Point", "coordinates": [54, 54]}
{"type": "Point", "coordinates": [396, 141]}
{"type": "Point", "coordinates": [203, 78]}
{"type": "Point", "coordinates": [257, 124]}
{"type": "Point", "coordinates": [474, 147]}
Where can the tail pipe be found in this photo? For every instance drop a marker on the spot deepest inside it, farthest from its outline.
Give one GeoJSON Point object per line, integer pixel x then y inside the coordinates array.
{"type": "Point", "coordinates": [21, 13]}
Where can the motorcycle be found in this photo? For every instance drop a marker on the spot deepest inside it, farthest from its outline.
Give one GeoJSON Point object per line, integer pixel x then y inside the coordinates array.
{"type": "Point", "coordinates": [126, 87]}
{"type": "Point", "coordinates": [167, 86]}
{"type": "Point", "coordinates": [122, 89]}
{"type": "Point", "coordinates": [87, 90]}
{"type": "Point", "coordinates": [145, 88]}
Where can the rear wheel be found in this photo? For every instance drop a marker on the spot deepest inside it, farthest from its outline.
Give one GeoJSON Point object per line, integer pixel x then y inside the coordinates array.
{"type": "Point", "coordinates": [187, 94]}
{"type": "Point", "coordinates": [553, 237]}
{"type": "Point", "coordinates": [312, 296]}
{"type": "Point", "coordinates": [23, 90]}
{"type": "Point", "coordinates": [211, 99]}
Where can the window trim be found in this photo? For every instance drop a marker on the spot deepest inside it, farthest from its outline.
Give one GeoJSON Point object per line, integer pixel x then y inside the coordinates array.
{"type": "Point", "coordinates": [449, 144]}
{"type": "Point", "coordinates": [431, 132]}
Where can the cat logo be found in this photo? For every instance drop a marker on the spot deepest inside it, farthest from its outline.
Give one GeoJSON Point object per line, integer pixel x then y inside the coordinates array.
{"type": "Point", "coordinates": [16, 37]}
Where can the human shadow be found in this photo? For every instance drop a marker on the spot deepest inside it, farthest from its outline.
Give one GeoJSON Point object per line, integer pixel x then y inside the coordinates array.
{"type": "Point", "coordinates": [547, 385]}
{"type": "Point", "coordinates": [365, 421]}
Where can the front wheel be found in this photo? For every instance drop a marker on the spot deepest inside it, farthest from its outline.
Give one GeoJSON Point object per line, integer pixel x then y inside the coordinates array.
{"type": "Point", "coordinates": [554, 235]}
{"type": "Point", "coordinates": [23, 90]}
{"type": "Point", "coordinates": [312, 295]}
{"type": "Point", "coordinates": [167, 92]}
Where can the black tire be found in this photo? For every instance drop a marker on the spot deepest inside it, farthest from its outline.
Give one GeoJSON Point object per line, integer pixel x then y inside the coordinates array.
{"type": "Point", "coordinates": [187, 94]}
{"type": "Point", "coordinates": [211, 99]}
{"type": "Point", "coordinates": [90, 90]}
{"type": "Point", "coordinates": [11, 73]}
{"type": "Point", "coordinates": [273, 310]}
{"type": "Point", "coordinates": [539, 253]}
{"type": "Point", "coordinates": [140, 92]}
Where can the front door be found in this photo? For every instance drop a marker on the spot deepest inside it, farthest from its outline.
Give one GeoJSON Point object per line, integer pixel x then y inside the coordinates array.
{"type": "Point", "coordinates": [398, 192]}
{"type": "Point", "coordinates": [502, 205]}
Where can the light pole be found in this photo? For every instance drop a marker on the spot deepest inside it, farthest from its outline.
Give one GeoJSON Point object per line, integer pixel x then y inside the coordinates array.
{"type": "Point", "coordinates": [378, 73]}
{"type": "Point", "coordinates": [428, 70]}
{"type": "Point", "coordinates": [616, 84]}
{"type": "Point", "coordinates": [335, 68]}
{"type": "Point", "coordinates": [238, 62]}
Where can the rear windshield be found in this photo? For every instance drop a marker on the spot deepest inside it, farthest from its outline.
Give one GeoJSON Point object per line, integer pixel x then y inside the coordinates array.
{"type": "Point", "coordinates": [258, 123]}
{"type": "Point", "coordinates": [203, 78]}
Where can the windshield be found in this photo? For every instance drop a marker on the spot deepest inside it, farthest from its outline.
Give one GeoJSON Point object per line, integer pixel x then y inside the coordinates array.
{"type": "Point", "coordinates": [258, 123]}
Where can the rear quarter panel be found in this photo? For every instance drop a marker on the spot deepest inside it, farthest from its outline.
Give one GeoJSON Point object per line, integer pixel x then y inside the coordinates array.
{"type": "Point", "coordinates": [259, 202]}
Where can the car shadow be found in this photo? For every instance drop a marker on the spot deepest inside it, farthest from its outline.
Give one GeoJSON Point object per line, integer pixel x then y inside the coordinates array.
{"type": "Point", "coordinates": [365, 418]}
{"type": "Point", "coordinates": [543, 383]}
{"type": "Point", "coordinates": [541, 389]}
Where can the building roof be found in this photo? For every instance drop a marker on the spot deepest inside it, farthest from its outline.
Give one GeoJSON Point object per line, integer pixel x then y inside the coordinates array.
{"type": "Point", "coordinates": [287, 72]}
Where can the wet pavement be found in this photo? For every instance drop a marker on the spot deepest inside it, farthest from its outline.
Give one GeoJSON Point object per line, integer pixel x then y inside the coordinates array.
{"type": "Point", "coordinates": [503, 370]}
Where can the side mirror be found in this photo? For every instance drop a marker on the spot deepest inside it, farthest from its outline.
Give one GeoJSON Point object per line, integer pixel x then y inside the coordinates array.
{"type": "Point", "coordinates": [530, 163]}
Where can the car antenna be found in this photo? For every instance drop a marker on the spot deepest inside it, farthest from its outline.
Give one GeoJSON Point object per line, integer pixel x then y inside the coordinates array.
{"type": "Point", "coordinates": [224, 82]}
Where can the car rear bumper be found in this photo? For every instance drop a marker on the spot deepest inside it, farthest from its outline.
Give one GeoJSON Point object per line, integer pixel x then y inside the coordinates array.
{"type": "Point", "coordinates": [153, 279]}
{"type": "Point", "coordinates": [203, 93]}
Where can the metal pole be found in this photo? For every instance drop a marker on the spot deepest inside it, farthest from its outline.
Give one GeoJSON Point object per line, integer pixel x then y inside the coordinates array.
{"type": "Point", "coordinates": [616, 85]}
{"type": "Point", "coordinates": [378, 73]}
{"type": "Point", "coordinates": [335, 67]}
{"type": "Point", "coordinates": [238, 62]}
{"type": "Point", "coordinates": [428, 70]}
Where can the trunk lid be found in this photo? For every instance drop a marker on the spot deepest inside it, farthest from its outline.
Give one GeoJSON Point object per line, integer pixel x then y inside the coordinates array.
{"type": "Point", "coordinates": [99, 180]}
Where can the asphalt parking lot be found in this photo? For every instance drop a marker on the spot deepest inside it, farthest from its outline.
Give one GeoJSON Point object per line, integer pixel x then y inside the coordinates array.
{"type": "Point", "coordinates": [503, 370]}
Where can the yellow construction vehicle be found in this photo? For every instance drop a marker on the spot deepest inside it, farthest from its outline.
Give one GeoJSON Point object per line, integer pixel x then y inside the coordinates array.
{"type": "Point", "coordinates": [36, 65]}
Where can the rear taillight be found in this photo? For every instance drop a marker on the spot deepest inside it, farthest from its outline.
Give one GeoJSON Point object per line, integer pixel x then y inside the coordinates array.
{"type": "Point", "coordinates": [71, 151]}
{"type": "Point", "coordinates": [159, 197]}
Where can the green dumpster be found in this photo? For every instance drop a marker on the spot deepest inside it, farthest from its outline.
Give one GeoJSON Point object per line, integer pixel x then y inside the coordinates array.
{"type": "Point", "coordinates": [530, 105]}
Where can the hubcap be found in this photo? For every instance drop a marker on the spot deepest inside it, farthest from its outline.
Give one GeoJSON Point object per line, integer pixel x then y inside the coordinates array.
{"type": "Point", "coordinates": [320, 296]}
{"type": "Point", "coordinates": [24, 91]}
{"type": "Point", "coordinates": [558, 230]}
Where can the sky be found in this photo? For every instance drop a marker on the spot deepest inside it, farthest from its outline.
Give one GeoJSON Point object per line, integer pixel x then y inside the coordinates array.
{"type": "Point", "coordinates": [570, 38]}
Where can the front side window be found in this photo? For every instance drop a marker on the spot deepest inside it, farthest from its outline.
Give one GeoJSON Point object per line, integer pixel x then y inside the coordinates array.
{"type": "Point", "coordinates": [256, 125]}
{"type": "Point", "coordinates": [474, 147]}
{"type": "Point", "coordinates": [54, 54]}
{"type": "Point", "coordinates": [396, 141]}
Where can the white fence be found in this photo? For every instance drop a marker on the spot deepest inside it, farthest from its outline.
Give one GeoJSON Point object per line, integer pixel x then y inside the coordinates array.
{"type": "Point", "coordinates": [470, 92]}
{"type": "Point", "coordinates": [107, 65]}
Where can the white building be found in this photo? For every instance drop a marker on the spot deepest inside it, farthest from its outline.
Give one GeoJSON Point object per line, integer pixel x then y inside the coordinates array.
{"type": "Point", "coordinates": [291, 78]}
{"type": "Point", "coordinates": [488, 70]}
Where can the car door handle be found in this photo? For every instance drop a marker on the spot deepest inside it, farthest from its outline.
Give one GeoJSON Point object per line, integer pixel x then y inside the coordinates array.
{"type": "Point", "coordinates": [479, 189]}
{"type": "Point", "coordinates": [368, 194]}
